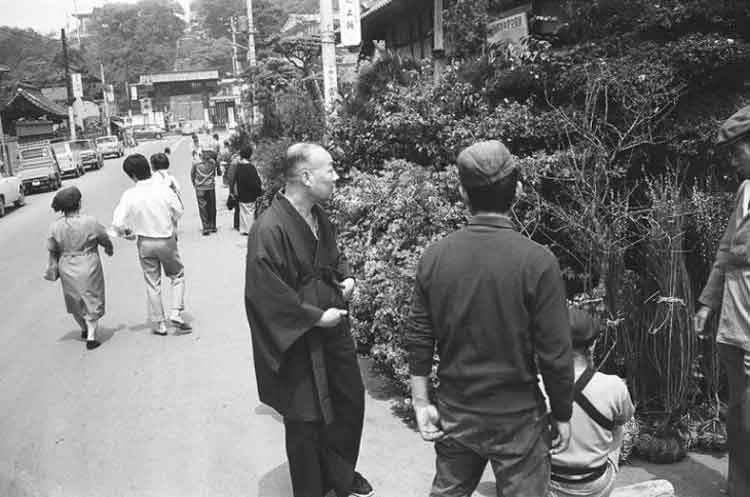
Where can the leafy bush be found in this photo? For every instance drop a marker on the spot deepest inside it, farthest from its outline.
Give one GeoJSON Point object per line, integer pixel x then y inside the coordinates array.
{"type": "Point", "coordinates": [386, 220]}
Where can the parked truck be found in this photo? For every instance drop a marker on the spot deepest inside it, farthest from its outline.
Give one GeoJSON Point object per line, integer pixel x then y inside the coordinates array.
{"type": "Point", "coordinates": [37, 167]}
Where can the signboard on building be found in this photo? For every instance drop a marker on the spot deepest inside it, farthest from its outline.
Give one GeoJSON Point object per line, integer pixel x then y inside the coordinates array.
{"type": "Point", "coordinates": [133, 92]}
{"type": "Point", "coordinates": [349, 22]}
{"type": "Point", "coordinates": [512, 29]}
{"type": "Point", "coordinates": [76, 82]}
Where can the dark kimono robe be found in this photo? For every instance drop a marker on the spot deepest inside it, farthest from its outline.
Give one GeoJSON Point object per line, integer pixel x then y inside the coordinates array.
{"type": "Point", "coordinates": [308, 374]}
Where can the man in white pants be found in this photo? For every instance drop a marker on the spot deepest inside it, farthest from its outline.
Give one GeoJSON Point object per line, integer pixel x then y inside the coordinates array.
{"type": "Point", "coordinates": [148, 213]}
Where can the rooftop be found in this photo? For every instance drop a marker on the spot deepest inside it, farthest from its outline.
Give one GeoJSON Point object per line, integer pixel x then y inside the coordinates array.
{"type": "Point", "coordinates": [174, 77]}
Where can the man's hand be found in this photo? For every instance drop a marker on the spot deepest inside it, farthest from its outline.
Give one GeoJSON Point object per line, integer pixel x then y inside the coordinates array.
{"type": "Point", "coordinates": [428, 421]}
{"type": "Point", "coordinates": [699, 321]}
{"type": "Point", "coordinates": [562, 440]}
{"type": "Point", "coordinates": [347, 288]}
{"type": "Point", "coordinates": [331, 318]}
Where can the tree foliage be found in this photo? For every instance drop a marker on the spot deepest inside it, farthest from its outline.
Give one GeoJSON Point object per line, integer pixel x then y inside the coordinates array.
{"type": "Point", "coordinates": [135, 39]}
{"type": "Point", "coordinates": [214, 16]}
{"type": "Point", "coordinates": [613, 120]}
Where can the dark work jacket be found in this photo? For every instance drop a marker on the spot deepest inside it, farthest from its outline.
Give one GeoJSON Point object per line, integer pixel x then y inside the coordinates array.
{"type": "Point", "coordinates": [291, 278]}
{"type": "Point", "coordinates": [493, 304]}
{"type": "Point", "coordinates": [247, 184]}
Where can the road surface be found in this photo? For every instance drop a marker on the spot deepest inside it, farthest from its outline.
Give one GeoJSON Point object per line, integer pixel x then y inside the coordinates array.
{"type": "Point", "coordinates": [148, 416]}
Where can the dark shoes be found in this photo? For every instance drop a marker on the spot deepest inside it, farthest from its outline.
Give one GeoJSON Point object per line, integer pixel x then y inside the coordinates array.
{"type": "Point", "coordinates": [361, 487]}
{"type": "Point", "coordinates": [206, 232]}
{"type": "Point", "coordinates": [92, 344]}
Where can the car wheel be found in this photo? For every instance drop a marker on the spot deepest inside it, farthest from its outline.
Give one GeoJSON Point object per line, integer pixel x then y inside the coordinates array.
{"type": "Point", "coordinates": [21, 198]}
{"type": "Point", "coordinates": [2, 206]}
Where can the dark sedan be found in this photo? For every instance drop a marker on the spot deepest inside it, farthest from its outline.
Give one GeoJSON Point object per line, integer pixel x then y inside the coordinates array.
{"type": "Point", "coordinates": [148, 132]}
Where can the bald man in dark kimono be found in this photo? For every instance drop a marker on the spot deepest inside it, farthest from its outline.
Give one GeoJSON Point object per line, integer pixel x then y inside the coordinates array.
{"type": "Point", "coordinates": [296, 288]}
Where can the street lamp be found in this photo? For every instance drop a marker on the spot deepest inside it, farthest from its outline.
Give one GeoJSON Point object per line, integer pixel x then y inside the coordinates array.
{"type": "Point", "coordinates": [3, 151]}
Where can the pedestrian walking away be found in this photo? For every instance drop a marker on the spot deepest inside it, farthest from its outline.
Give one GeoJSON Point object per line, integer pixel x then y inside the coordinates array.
{"type": "Point", "coordinates": [73, 245]}
{"type": "Point", "coordinates": [297, 286]}
{"type": "Point", "coordinates": [493, 304]}
{"type": "Point", "coordinates": [601, 407]}
{"type": "Point", "coordinates": [148, 213]}
{"type": "Point", "coordinates": [203, 177]}
{"type": "Point", "coordinates": [248, 188]}
{"type": "Point", "coordinates": [728, 292]}
{"type": "Point", "coordinates": [160, 168]}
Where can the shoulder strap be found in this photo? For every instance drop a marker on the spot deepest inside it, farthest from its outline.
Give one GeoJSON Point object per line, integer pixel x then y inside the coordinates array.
{"type": "Point", "coordinates": [586, 404]}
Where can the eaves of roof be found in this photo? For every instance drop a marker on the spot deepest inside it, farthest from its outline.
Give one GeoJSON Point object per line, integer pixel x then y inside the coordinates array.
{"type": "Point", "coordinates": [40, 101]}
{"type": "Point", "coordinates": [378, 5]}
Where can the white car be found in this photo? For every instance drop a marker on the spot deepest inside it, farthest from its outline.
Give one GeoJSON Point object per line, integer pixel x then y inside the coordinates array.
{"type": "Point", "coordinates": [11, 192]}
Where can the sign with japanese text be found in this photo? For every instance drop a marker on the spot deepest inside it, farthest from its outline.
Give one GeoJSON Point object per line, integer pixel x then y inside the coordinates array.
{"type": "Point", "coordinates": [349, 20]}
{"type": "Point", "coordinates": [109, 93]}
{"type": "Point", "coordinates": [133, 92]}
{"type": "Point", "coordinates": [512, 29]}
{"type": "Point", "coordinates": [76, 83]}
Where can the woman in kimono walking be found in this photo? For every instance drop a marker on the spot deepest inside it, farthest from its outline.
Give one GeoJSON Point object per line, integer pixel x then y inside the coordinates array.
{"type": "Point", "coordinates": [247, 187]}
{"type": "Point", "coordinates": [73, 246]}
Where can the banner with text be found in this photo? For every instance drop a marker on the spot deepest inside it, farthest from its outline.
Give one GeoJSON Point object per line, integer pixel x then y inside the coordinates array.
{"type": "Point", "coordinates": [349, 19]}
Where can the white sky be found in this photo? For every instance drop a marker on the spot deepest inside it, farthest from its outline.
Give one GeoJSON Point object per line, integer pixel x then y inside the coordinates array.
{"type": "Point", "coordinates": [48, 16]}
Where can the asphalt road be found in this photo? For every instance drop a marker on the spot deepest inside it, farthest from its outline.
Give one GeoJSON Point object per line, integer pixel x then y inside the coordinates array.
{"type": "Point", "coordinates": [148, 416]}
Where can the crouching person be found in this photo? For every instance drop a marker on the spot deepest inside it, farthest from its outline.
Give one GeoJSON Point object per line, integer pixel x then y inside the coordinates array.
{"type": "Point", "coordinates": [601, 406]}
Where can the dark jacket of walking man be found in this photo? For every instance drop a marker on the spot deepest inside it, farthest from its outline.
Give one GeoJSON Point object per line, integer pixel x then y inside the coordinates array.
{"type": "Point", "coordinates": [728, 291]}
{"type": "Point", "coordinates": [493, 303]}
{"type": "Point", "coordinates": [296, 288]}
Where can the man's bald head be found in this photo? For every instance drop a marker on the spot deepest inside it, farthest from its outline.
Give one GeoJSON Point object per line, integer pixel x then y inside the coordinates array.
{"type": "Point", "coordinates": [309, 169]}
{"type": "Point", "coordinates": [298, 156]}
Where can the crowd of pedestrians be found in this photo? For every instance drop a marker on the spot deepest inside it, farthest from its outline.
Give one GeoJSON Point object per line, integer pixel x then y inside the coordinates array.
{"type": "Point", "coordinates": [517, 384]}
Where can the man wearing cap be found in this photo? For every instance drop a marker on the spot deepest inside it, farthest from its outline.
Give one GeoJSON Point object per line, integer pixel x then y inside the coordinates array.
{"type": "Point", "coordinates": [602, 405]}
{"type": "Point", "coordinates": [492, 302]}
{"type": "Point", "coordinates": [728, 292]}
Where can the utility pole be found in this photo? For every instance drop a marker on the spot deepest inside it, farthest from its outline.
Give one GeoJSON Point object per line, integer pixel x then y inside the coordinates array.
{"type": "Point", "coordinates": [328, 52]}
{"type": "Point", "coordinates": [3, 153]}
{"type": "Point", "coordinates": [251, 61]}
{"type": "Point", "coordinates": [68, 86]}
{"type": "Point", "coordinates": [105, 94]}
{"type": "Point", "coordinates": [235, 62]}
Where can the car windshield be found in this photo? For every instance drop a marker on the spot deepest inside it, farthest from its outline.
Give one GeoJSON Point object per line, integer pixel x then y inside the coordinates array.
{"type": "Point", "coordinates": [80, 145]}
{"type": "Point", "coordinates": [107, 139]}
{"type": "Point", "coordinates": [59, 148]}
{"type": "Point", "coordinates": [33, 153]}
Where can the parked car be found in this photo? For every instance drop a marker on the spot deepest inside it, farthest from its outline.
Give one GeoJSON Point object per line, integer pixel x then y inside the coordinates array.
{"type": "Point", "coordinates": [66, 159]}
{"type": "Point", "coordinates": [87, 154]}
{"type": "Point", "coordinates": [151, 131]}
{"type": "Point", "coordinates": [38, 168]}
{"type": "Point", "coordinates": [110, 146]}
{"type": "Point", "coordinates": [186, 128]}
{"type": "Point", "coordinates": [11, 192]}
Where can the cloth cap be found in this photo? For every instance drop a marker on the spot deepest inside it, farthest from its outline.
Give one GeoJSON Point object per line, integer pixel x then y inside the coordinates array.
{"type": "Point", "coordinates": [584, 327]}
{"type": "Point", "coordinates": [484, 163]}
{"type": "Point", "coordinates": [67, 199]}
{"type": "Point", "coordinates": [735, 127]}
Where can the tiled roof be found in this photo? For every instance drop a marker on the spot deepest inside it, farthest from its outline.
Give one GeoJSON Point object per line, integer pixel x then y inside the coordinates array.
{"type": "Point", "coordinates": [373, 6]}
{"type": "Point", "coordinates": [40, 101]}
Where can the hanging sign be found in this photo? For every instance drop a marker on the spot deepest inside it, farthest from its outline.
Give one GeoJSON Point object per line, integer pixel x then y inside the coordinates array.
{"type": "Point", "coordinates": [76, 82]}
{"type": "Point", "coordinates": [133, 92]}
{"type": "Point", "coordinates": [349, 20]}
